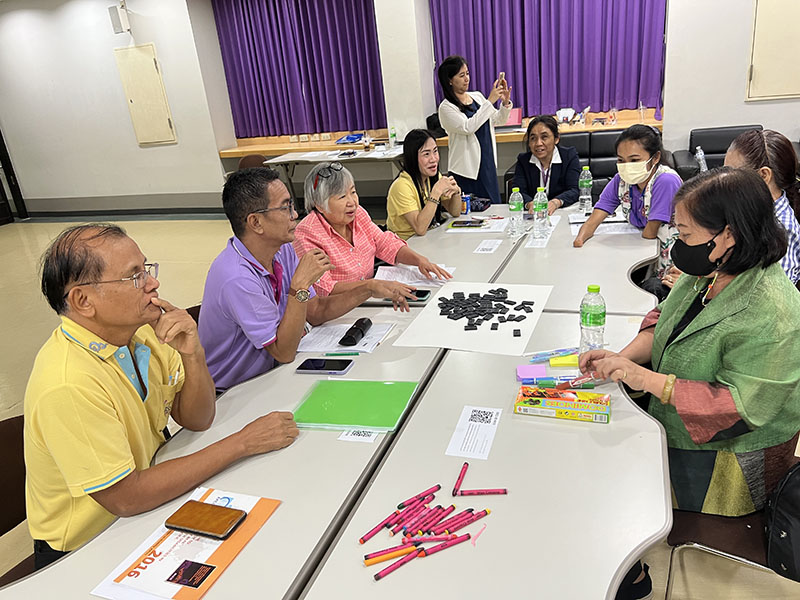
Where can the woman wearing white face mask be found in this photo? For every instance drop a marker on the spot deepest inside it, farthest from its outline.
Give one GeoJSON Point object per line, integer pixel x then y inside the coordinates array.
{"type": "Point", "coordinates": [645, 188]}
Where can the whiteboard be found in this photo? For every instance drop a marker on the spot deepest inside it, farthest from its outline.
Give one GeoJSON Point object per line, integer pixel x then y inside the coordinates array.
{"type": "Point", "coordinates": [145, 94]}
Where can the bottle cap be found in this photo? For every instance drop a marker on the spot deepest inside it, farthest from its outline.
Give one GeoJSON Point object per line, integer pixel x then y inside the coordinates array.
{"type": "Point", "coordinates": [586, 168]}
{"type": "Point", "coordinates": [540, 189]}
{"type": "Point", "coordinates": [514, 189]}
{"type": "Point", "coordinates": [594, 289]}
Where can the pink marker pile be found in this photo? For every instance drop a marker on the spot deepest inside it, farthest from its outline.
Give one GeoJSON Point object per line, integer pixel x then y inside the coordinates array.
{"type": "Point", "coordinates": [420, 524]}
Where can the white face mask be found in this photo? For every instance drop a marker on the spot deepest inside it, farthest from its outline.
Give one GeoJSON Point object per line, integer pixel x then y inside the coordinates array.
{"type": "Point", "coordinates": [634, 172]}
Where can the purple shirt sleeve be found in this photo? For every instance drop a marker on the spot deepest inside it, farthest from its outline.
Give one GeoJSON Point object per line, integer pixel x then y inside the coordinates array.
{"type": "Point", "coordinates": [256, 313]}
{"type": "Point", "coordinates": [609, 200]}
{"type": "Point", "coordinates": [664, 188]}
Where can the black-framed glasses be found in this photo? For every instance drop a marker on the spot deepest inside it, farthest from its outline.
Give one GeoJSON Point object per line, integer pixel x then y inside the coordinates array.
{"type": "Point", "coordinates": [326, 172]}
{"type": "Point", "coordinates": [287, 207]}
{"type": "Point", "coordinates": [138, 279]}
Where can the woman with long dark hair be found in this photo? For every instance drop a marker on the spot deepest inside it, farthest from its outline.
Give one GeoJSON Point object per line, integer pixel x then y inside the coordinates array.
{"type": "Point", "coordinates": [469, 120]}
{"type": "Point", "coordinates": [419, 196]}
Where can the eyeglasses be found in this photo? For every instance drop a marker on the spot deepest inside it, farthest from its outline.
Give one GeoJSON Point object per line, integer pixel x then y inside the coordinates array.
{"type": "Point", "coordinates": [326, 172]}
{"type": "Point", "coordinates": [287, 206]}
{"type": "Point", "coordinates": [138, 279]}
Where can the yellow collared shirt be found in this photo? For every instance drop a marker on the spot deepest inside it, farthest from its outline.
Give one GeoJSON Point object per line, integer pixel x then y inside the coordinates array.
{"type": "Point", "coordinates": [89, 423]}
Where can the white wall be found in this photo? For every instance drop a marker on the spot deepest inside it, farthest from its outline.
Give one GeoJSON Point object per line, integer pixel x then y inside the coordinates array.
{"type": "Point", "coordinates": [406, 48]}
{"type": "Point", "coordinates": [64, 115]}
{"type": "Point", "coordinates": [708, 54]}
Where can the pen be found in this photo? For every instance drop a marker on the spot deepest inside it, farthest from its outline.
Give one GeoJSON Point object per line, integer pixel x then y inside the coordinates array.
{"type": "Point", "coordinates": [342, 353]}
{"type": "Point", "coordinates": [579, 382]}
{"type": "Point", "coordinates": [552, 383]}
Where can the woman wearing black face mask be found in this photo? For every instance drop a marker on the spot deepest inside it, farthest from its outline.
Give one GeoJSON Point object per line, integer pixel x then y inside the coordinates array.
{"type": "Point", "coordinates": [725, 377]}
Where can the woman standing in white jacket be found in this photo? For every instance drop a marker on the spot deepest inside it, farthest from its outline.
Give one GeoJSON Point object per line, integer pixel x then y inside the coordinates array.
{"type": "Point", "coordinates": [469, 119]}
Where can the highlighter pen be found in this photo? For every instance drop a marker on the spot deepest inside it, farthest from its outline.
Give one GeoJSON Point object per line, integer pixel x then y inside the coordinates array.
{"type": "Point", "coordinates": [390, 555]}
{"type": "Point", "coordinates": [547, 355]}
{"type": "Point", "coordinates": [460, 479]}
{"type": "Point", "coordinates": [396, 565]}
{"type": "Point", "coordinates": [377, 527]}
{"type": "Point", "coordinates": [430, 490]}
{"type": "Point", "coordinates": [444, 545]}
{"type": "Point", "coordinates": [342, 353]}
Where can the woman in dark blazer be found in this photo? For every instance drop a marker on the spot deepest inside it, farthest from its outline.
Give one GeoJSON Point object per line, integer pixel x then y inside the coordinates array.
{"type": "Point", "coordinates": [547, 164]}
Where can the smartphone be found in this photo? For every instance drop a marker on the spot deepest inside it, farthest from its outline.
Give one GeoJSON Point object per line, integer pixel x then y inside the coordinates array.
{"type": "Point", "coordinates": [422, 296]}
{"type": "Point", "coordinates": [209, 520]}
{"type": "Point", "coordinates": [346, 153]}
{"type": "Point", "coordinates": [501, 80]}
{"type": "Point", "coordinates": [329, 366]}
{"type": "Point", "coordinates": [467, 223]}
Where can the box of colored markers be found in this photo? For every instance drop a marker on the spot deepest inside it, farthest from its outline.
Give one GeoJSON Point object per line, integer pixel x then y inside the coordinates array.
{"type": "Point", "coordinates": [563, 404]}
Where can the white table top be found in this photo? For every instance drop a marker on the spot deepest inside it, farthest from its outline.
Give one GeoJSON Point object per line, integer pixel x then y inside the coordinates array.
{"type": "Point", "coordinates": [584, 499]}
{"type": "Point", "coordinates": [312, 478]}
{"type": "Point", "coordinates": [605, 260]}
{"type": "Point", "coordinates": [313, 156]}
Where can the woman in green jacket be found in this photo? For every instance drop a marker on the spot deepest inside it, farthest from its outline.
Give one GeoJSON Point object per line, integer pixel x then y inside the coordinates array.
{"type": "Point", "coordinates": [724, 347]}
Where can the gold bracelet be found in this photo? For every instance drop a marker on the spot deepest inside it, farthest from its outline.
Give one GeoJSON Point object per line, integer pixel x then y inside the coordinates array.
{"type": "Point", "coordinates": [669, 385]}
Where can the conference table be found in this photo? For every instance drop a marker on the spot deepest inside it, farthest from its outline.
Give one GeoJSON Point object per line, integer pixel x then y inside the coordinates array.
{"type": "Point", "coordinates": [575, 488]}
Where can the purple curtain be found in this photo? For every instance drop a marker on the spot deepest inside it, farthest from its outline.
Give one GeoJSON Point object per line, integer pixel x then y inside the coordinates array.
{"type": "Point", "coordinates": [558, 53]}
{"type": "Point", "coordinates": [301, 66]}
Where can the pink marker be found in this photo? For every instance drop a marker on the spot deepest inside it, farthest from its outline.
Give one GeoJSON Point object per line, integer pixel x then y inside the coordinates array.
{"type": "Point", "coordinates": [433, 517]}
{"type": "Point", "coordinates": [424, 539]}
{"type": "Point", "coordinates": [408, 517]}
{"type": "Point", "coordinates": [401, 515]}
{"type": "Point", "coordinates": [377, 527]}
{"type": "Point", "coordinates": [578, 381]}
{"type": "Point", "coordinates": [389, 550]}
{"type": "Point", "coordinates": [439, 529]}
{"type": "Point", "coordinates": [444, 545]}
{"type": "Point", "coordinates": [460, 479]}
{"type": "Point", "coordinates": [431, 490]}
{"type": "Point", "coordinates": [439, 517]}
{"type": "Point", "coordinates": [495, 492]}
{"type": "Point", "coordinates": [470, 521]}
{"type": "Point", "coordinates": [395, 565]}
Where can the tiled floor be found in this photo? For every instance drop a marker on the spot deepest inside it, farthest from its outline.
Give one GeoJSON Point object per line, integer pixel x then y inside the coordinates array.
{"type": "Point", "coordinates": [185, 248]}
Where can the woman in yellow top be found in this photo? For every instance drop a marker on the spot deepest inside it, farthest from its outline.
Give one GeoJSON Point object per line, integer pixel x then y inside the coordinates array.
{"type": "Point", "coordinates": [419, 195]}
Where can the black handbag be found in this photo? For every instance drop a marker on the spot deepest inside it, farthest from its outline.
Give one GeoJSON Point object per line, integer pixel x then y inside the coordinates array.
{"type": "Point", "coordinates": [783, 526]}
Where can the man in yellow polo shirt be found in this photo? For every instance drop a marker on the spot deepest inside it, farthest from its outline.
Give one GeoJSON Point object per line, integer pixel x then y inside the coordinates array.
{"type": "Point", "coordinates": [102, 388]}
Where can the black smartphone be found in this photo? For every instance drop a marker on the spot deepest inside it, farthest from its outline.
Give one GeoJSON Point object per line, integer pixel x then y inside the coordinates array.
{"type": "Point", "coordinates": [329, 366]}
{"type": "Point", "coordinates": [422, 296]}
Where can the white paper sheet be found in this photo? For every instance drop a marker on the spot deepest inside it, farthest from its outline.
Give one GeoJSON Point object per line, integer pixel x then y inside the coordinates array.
{"type": "Point", "coordinates": [474, 432]}
{"type": "Point", "coordinates": [410, 275]}
{"type": "Point", "coordinates": [609, 228]}
{"type": "Point", "coordinates": [489, 226]}
{"type": "Point", "coordinates": [487, 247]}
{"type": "Point", "coordinates": [325, 338]}
{"type": "Point", "coordinates": [359, 435]}
{"type": "Point", "coordinates": [542, 243]}
{"type": "Point", "coordinates": [430, 329]}
{"type": "Point", "coordinates": [579, 217]}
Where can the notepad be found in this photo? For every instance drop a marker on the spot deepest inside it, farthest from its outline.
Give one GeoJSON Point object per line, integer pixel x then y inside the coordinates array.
{"type": "Point", "coordinates": [342, 404]}
{"type": "Point", "coordinates": [531, 371]}
{"type": "Point", "coordinates": [571, 360]}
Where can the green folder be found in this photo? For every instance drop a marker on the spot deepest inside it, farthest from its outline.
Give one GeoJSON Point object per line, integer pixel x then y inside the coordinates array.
{"type": "Point", "coordinates": [342, 404]}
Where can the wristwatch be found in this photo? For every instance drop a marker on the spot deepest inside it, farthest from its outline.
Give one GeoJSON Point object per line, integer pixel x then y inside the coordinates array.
{"type": "Point", "coordinates": [300, 295]}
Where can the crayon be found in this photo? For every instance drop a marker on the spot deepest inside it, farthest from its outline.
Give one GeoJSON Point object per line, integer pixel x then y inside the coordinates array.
{"type": "Point", "coordinates": [395, 565]}
{"type": "Point", "coordinates": [460, 479]}
{"type": "Point", "coordinates": [439, 529]}
{"type": "Point", "coordinates": [377, 527]}
{"type": "Point", "coordinates": [430, 518]}
{"type": "Point", "coordinates": [390, 555]}
{"type": "Point", "coordinates": [399, 526]}
{"type": "Point", "coordinates": [430, 490]}
{"type": "Point", "coordinates": [389, 550]}
{"type": "Point", "coordinates": [444, 545]}
{"type": "Point", "coordinates": [424, 539]}
{"type": "Point", "coordinates": [470, 521]}
{"type": "Point", "coordinates": [439, 517]}
{"type": "Point", "coordinates": [494, 492]}
{"type": "Point", "coordinates": [411, 525]}
{"type": "Point", "coordinates": [401, 515]}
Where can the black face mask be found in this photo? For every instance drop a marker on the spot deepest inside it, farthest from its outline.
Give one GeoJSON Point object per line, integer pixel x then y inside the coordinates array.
{"type": "Point", "coordinates": [694, 259]}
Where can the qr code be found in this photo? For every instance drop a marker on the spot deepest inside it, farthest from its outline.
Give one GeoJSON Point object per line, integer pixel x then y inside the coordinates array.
{"type": "Point", "coordinates": [360, 433]}
{"type": "Point", "coordinates": [481, 416]}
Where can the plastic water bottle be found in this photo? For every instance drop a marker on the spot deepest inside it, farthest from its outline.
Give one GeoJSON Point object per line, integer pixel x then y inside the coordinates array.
{"type": "Point", "coordinates": [516, 205]}
{"type": "Point", "coordinates": [541, 220]}
{"type": "Point", "coordinates": [700, 157]}
{"type": "Point", "coordinates": [593, 319]}
{"type": "Point", "coordinates": [392, 138]}
{"type": "Point", "coordinates": [585, 190]}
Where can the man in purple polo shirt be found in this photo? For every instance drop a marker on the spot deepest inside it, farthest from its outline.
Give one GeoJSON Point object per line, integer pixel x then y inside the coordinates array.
{"type": "Point", "coordinates": [258, 295]}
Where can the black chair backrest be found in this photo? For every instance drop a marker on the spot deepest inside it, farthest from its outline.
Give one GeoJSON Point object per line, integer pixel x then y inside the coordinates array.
{"type": "Point", "coordinates": [580, 140]}
{"type": "Point", "coordinates": [12, 475]}
{"type": "Point", "coordinates": [715, 140]}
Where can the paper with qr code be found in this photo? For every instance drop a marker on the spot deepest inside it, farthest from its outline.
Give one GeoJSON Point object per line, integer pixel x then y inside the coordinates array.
{"type": "Point", "coordinates": [474, 432]}
{"type": "Point", "coordinates": [177, 564]}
